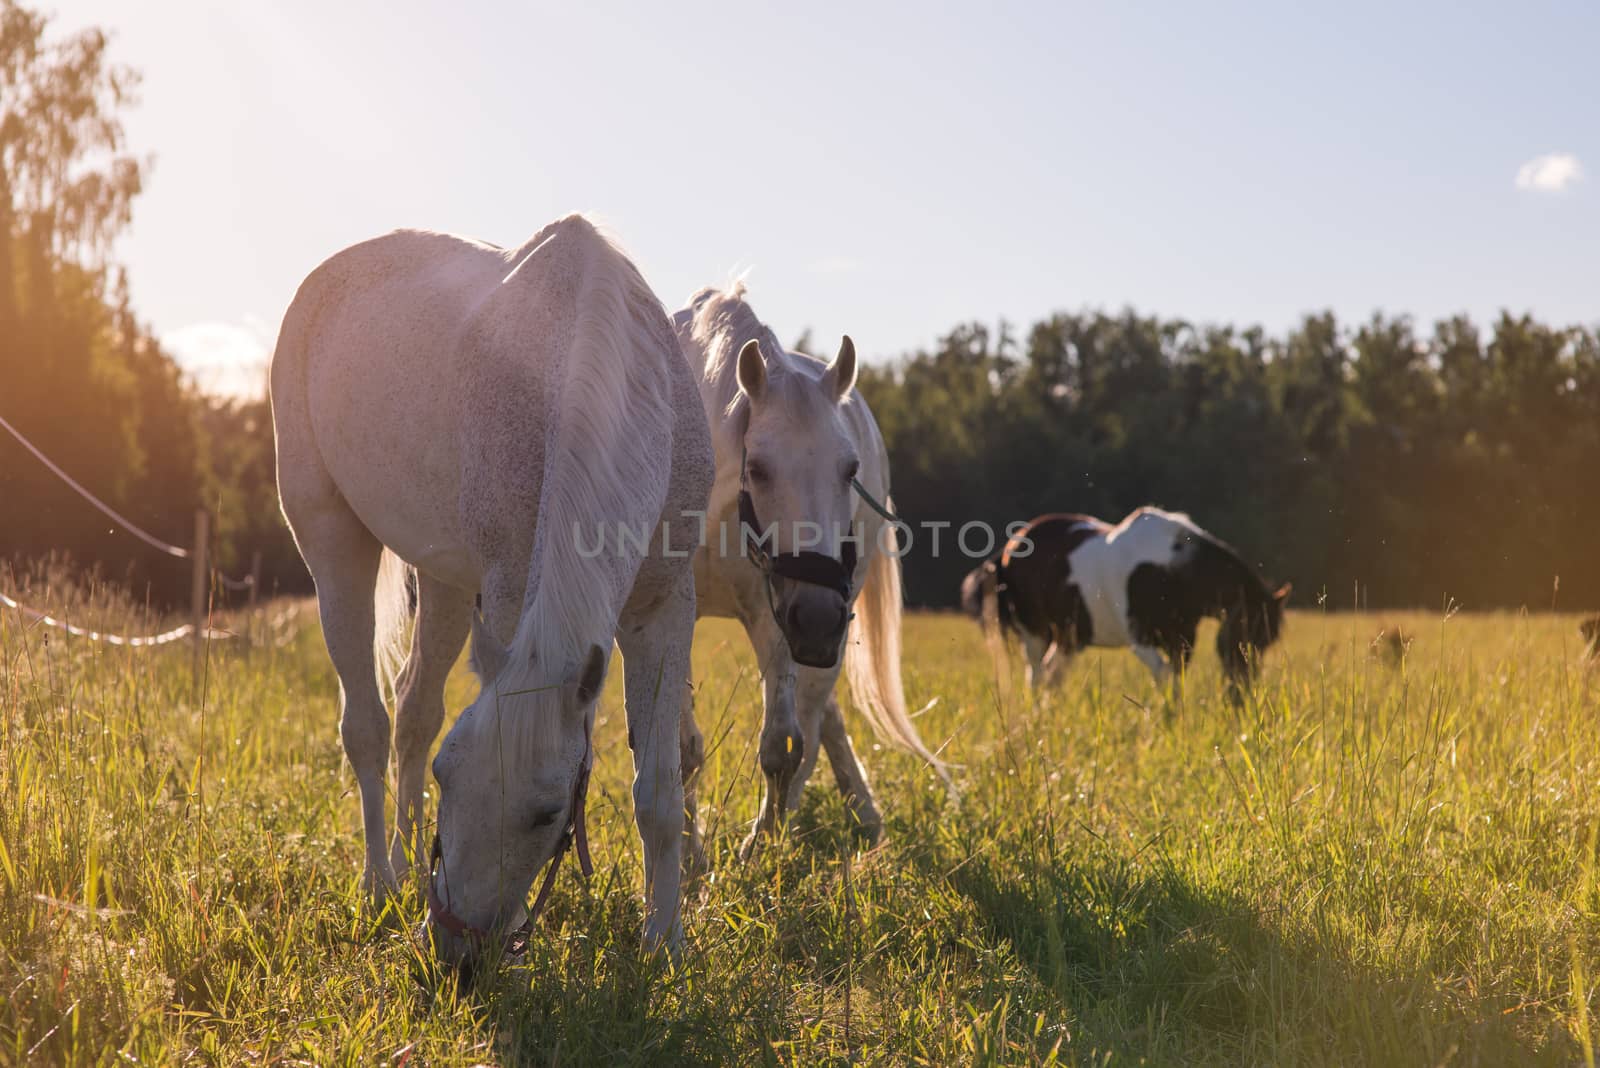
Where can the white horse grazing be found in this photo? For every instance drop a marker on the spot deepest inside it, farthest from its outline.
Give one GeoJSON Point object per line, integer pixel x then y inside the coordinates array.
{"type": "Point", "coordinates": [791, 438]}
{"type": "Point", "coordinates": [475, 411]}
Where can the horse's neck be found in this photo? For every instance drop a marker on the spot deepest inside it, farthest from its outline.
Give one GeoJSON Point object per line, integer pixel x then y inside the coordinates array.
{"type": "Point", "coordinates": [719, 342]}
{"type": "Point", "coordinates": [1237, 588]}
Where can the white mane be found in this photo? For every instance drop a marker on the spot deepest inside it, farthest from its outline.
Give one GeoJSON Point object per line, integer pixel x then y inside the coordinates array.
{"type": "Point", "coordinates": [712, 329]}
{"type": "Point", "coordinates": [609, 392]}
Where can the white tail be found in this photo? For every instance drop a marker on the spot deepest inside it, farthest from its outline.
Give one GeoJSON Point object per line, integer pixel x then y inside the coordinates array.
{"type": "Point", "coordinates": [390, 613]}
{"type": "Point", "coordinates": [872, 659]}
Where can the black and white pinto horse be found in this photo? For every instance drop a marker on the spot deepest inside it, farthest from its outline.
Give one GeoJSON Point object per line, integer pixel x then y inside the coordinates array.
{"type": "Point", "coordinates": [1065, 582]}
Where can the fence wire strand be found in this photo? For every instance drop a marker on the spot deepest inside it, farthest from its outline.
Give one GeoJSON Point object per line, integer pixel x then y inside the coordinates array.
{"type": "Point", "coordinates": [138, 532]}
{"type": "Point", "coordinates": [176, 634]}
{"type": "Point", "coordinates": [145, 536]}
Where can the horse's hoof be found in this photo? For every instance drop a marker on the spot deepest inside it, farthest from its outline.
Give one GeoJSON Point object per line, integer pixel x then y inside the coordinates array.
{"type": "Point", "coordinates": [867, 825]}
{"type": "Point", "coordinates": [668, 942]}
{"type": "Point", "coordinates": [780, 757]}
{"type": "Point", "coordinates": [379, 887]}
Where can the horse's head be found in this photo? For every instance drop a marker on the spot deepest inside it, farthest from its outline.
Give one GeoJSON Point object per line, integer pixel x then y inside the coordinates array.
{"type": "Point", "coordinates": [512, 774]}
{"type": "Point", "coordinates": [975, 585]}
{"type": "Point", "coordinates": [1247, 630]}
{"type": "Point", "coordinates": [799, 459]}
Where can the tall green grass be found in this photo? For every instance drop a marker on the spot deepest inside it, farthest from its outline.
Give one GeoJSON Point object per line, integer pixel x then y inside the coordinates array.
{"type": "Point", "coordinates": [1367, 863]}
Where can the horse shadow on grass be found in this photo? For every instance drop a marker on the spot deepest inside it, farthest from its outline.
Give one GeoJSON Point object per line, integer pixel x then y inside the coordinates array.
{"type": "Point", "coordinates": [586, 993]}
{"type": "Point", "coordinates": [1142, 966]}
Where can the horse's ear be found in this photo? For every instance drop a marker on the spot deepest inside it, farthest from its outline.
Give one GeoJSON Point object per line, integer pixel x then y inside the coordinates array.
{"type": "Point", "coordinates": [1283, 592]}
{"type": "Point", "coordinates": [488, 655]}
{"type": "Point", "coordinates": [840, 376]}
{"type": "Point", "coordinates": [752, 370]}
{"type": "Point", "coordinates": [592, 677]}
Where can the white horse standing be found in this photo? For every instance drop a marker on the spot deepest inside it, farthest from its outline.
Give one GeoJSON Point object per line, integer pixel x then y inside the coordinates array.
{"type": "Point", "coordinates": [792, 433]}
{"type": "Point", "coordinates": [474, 411]}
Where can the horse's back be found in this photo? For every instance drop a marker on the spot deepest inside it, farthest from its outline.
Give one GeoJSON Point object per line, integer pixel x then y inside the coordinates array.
{"type": "Point", "coordinates": [1041, 587]}
{"type": "Point", "coordinates": [1106, 566]}
{"type": "Point", "coordinates": [1151, 534]}
{"type": "Point", "coordinates": [418, 374]}
{"type": "Point", "coordinates": [1050, 535]}
{"type": "Point", "coordinates": [372, 326]}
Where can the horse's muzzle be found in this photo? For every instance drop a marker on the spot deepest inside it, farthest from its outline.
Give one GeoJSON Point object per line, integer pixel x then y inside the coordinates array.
{"type": "Point", "coordinates": [813, 621]}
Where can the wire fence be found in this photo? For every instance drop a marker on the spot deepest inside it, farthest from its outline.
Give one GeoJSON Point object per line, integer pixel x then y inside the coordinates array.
{"type": "Point", "coordinates": [198, 629]}
{"type": "Point", "coordinates": [34, 615]}
{"type": "Point", "coordinates": [123, 521]}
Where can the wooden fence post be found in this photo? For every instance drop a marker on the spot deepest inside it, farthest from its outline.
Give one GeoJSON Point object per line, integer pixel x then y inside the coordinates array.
{"type": "Point", "coordinates": [198, 590]}
{"type": "Point", "coordinates": [255, 597]}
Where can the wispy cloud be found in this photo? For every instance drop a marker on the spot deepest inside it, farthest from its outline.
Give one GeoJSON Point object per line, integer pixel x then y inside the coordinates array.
{"type": "Point", "coordinates": [223, 359]}
{"type": "Point", "coordinates": [1550, 173]}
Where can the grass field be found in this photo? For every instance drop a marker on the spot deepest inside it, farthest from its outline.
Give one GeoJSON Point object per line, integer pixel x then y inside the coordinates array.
{"type": "Point", "coordinates": [1367, 864]}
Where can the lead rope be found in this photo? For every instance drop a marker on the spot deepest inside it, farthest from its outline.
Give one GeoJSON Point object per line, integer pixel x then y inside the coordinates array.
{"type": "Point", "coordinates": [872, 501]}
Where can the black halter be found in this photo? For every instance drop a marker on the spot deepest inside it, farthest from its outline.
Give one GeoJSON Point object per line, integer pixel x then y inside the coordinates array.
{"type": "Point", "coordinates": [816, 568]}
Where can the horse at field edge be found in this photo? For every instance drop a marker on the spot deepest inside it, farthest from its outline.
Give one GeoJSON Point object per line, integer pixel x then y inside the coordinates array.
{"type": "Point", "coordinates": [1065, 582]}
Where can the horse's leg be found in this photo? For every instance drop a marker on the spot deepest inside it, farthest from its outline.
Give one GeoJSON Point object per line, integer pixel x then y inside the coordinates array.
{"type": "Point", "coordinates": [1179, 650]}
{"type": "Point", "coordinates": [848, 772]}
{"type": "Point", "coordinates": [782, 749]}
{"type": "Point", "coordinates": [655, 656]}
{"type": "Point", "coordinates": [444, 615]}
{"type": "Point", "coordinates": [782, 743]}
{"type": "Point", "coordinates": [343, 558]}
{"type": "Point", "coordinates": [1056, 659]}
{"type": "Point", "coordinates": [813, 690]}
{"type": "Point", "coordinates": [1035, 646]}
{"type": "Point", "coordinates": [1151, 657]}
{"type": "Point", "coordinates": [692, 756]}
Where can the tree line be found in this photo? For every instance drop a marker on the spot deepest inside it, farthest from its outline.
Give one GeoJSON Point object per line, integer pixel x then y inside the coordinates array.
{"type": "Point", "coordinates": [80, 376]}
{"type": "Point", "coordinates": [1378, 462]}
{"type": "Point", "coordinates": [1382, 463]}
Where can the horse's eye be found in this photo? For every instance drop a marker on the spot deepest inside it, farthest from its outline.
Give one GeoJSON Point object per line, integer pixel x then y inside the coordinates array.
{"type": "Point", "coordinates": [546, 816]}
{"type": "Point", "coordinates": [758, 472]}
{"type": "Point", "coordinates": [851, 470]}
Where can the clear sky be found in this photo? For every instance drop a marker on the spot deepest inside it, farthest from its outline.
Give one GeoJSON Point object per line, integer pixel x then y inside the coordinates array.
{"type": "Point", "coordinates": [884, 170]}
